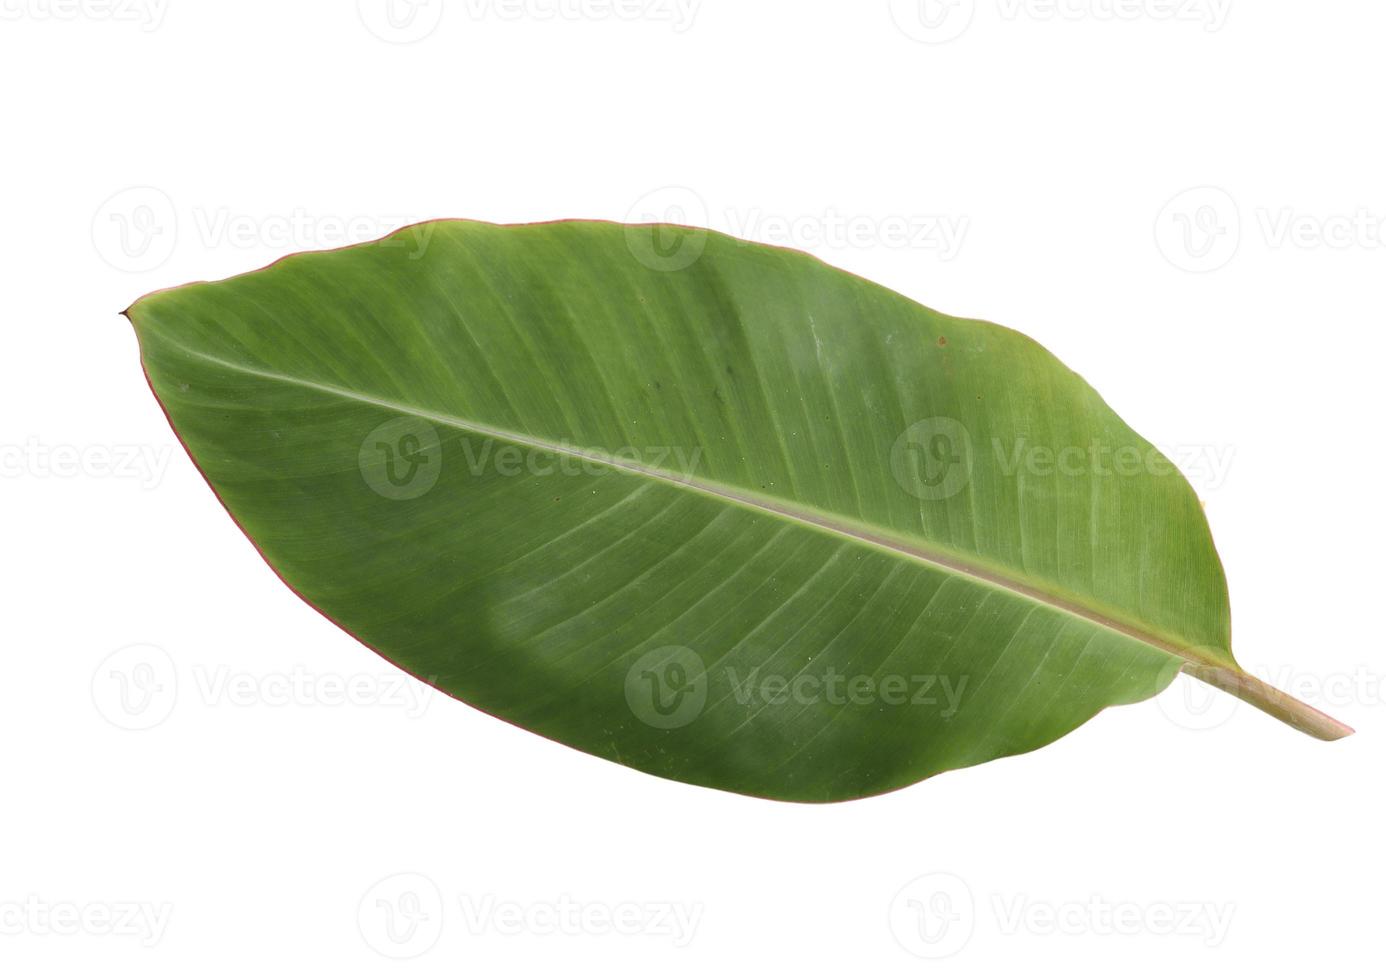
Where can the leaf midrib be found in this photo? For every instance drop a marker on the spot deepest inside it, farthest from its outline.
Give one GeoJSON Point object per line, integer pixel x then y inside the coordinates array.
{"type": "Point", "coordinates": [860, 534]}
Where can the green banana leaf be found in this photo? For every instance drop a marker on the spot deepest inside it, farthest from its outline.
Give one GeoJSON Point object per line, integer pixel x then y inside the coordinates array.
{"type": "Point", "coordinates": [713, 510]}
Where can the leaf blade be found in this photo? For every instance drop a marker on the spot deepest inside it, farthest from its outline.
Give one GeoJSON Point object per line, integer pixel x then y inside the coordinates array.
{"type": "Point", "coordinates": [481, 325]}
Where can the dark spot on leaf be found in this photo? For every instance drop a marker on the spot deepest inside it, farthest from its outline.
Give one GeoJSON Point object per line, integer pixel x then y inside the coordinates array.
{"type": "Point", "coordinates": [943, 341]}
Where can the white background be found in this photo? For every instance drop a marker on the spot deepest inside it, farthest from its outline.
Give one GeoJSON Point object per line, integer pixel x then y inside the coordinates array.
{"type": "Point", "coordinates": [1183, 200]}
